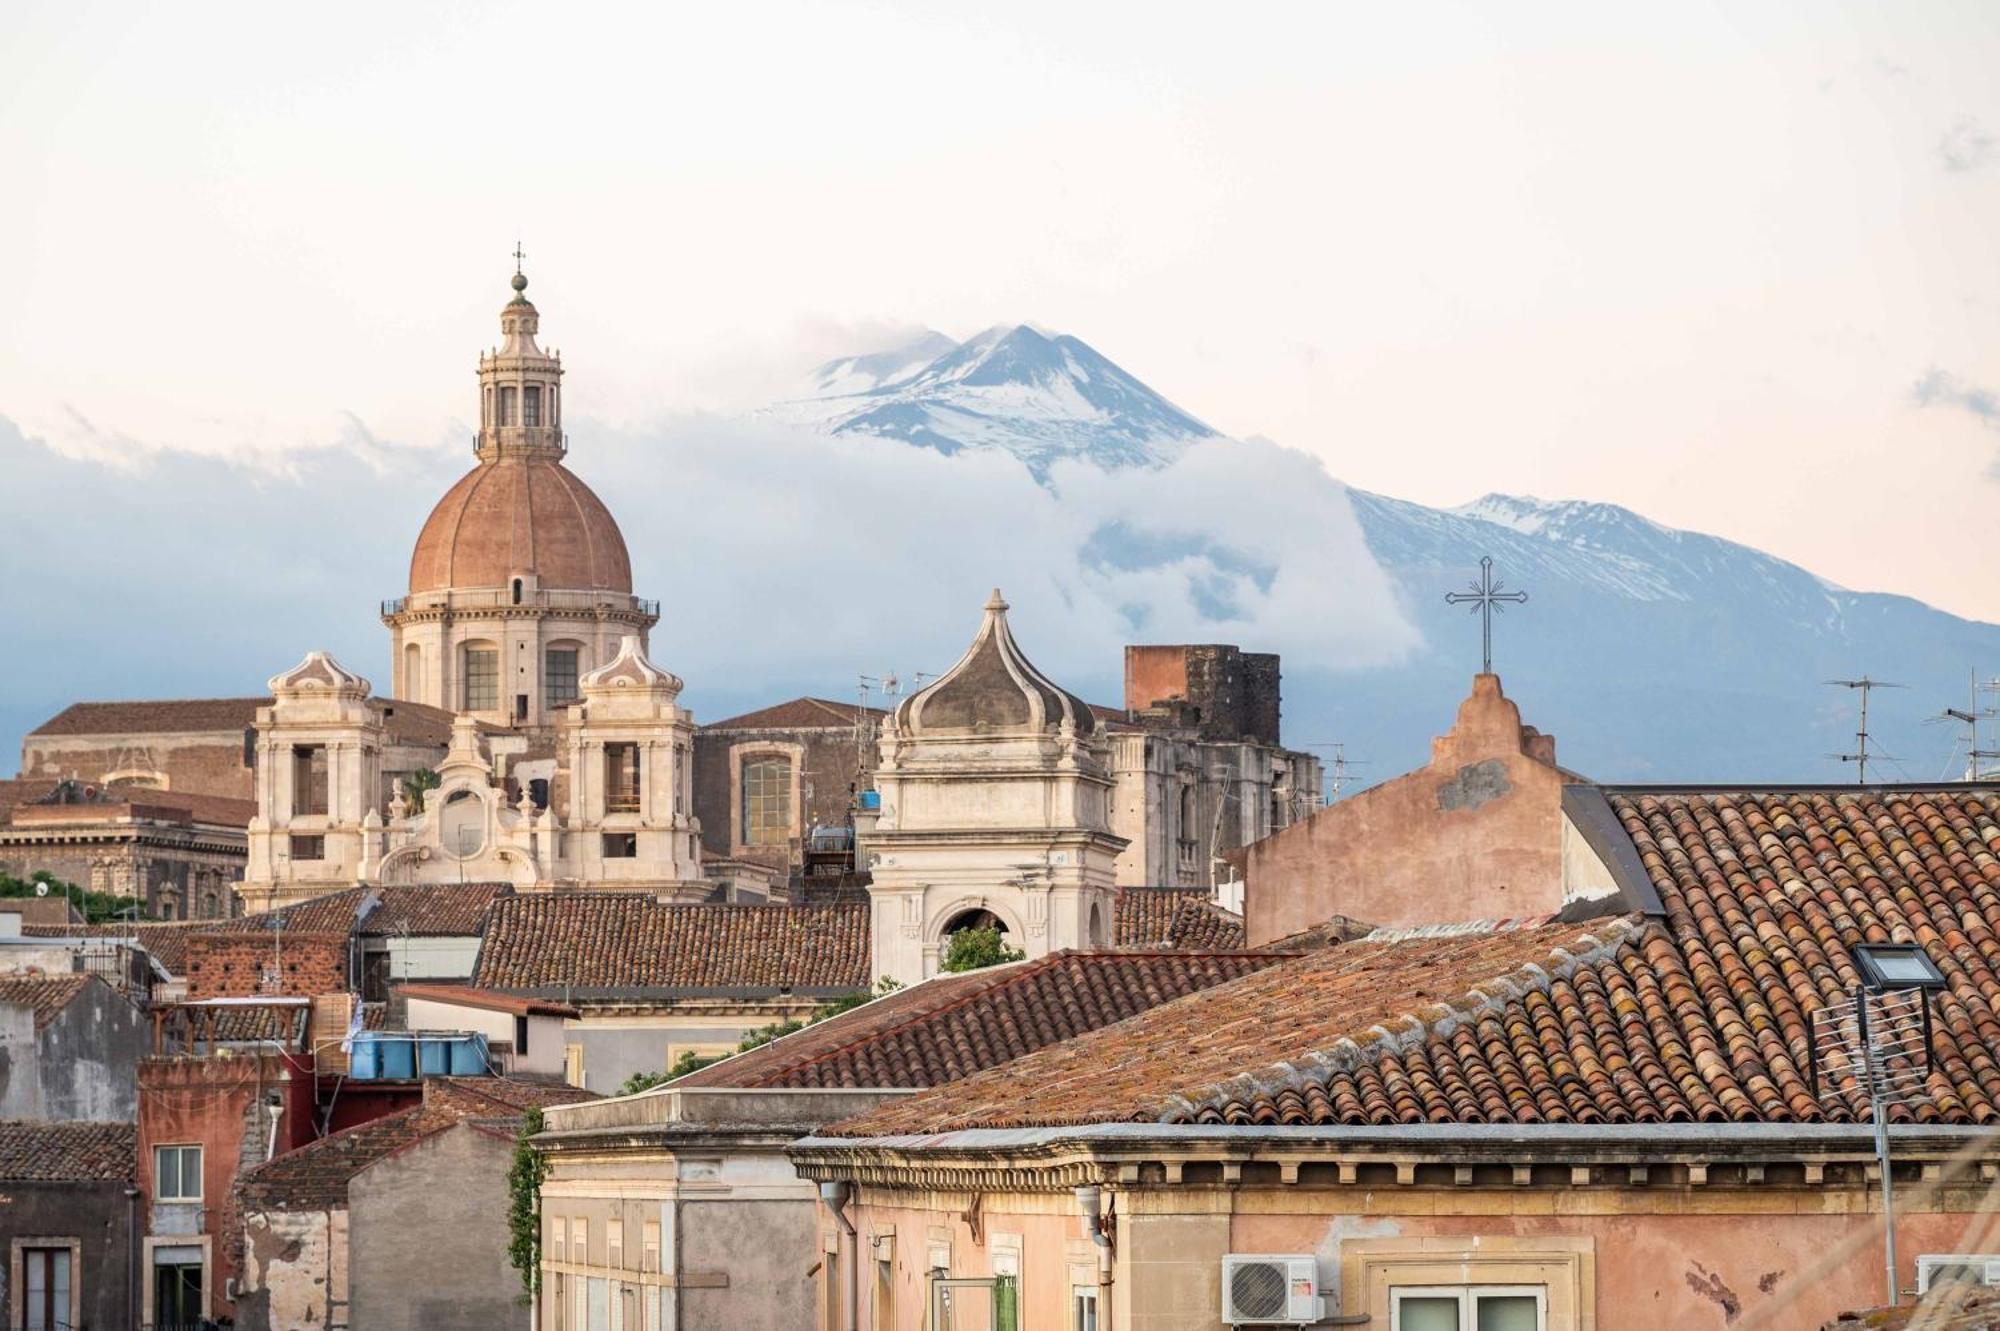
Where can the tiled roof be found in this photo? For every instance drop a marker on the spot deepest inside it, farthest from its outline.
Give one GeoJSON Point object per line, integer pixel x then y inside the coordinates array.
{"type": "Point", "coordinates": [316, 1175]}
{"type": "Point", "coordinates": [1701, 1015]}
{"type": "Point", "coordinates": [154, 716]}
{"type": "Point", "coordinates": [625, 941]}
{"type": "Point", "coordinates": [27, 803]}
{"type": "Point", "coordinates": [165, 942]}
{"type": "Point", "coordinates": [48, 995]}
{"type": "Point", "coordinates": [34, 1151]}
{"type": "Point", "coordinates": [489, 999]}
{"type": "Point", "coordinates": [953, 1025]}
{"type": "Point", "coordinates": [798, 714]}
{"type": "Point", "coordinates": [441, 910]}
{"type": "Point", "coordinates": [1180, 917]}
{"type": "Point", "coordinates": [1947, 1308]}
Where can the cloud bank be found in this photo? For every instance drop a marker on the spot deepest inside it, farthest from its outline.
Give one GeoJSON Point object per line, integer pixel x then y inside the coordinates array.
{"type": "Point", "coordinates": [785, 561]}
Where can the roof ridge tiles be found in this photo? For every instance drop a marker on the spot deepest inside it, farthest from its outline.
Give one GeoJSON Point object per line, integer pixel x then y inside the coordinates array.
{"type": "Point", "coordinates": [1403, 1031]}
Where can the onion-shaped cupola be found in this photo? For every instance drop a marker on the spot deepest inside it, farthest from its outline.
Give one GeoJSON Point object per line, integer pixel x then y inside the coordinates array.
{"type": "Point", "coordinates": [994, 688]}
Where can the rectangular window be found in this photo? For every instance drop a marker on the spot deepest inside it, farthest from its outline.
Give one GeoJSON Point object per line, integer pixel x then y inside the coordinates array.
{"type": "Point", "coordinates": [308, 847]}
{"type": "Point", "coordinates": [614, 1239]}
{"type": "Point", "coordinates": [176, 1173]}
{"type": "Point", "coordinates": [621, 778]}
{"type": "Point", "coordinates": [1083, 1308]}
{"type": "Point", "coordinates": [521, 1036]}
{"type": "Point", "coordinates": [649, 1252]}
{"type": "Point", "coordinates": [621, 845]}
{"type": "Point", "coordinates": [558, 1303]}
{"type": "Point", "coordinates": [482, 679]}
{"type": "Point", "coordinates": [520, 708]}
{"type": "Point", "coordinates": [46, 1276]}
{"type": "Point", "coordinates": [559, 676]}
{"type": "Point", "coordinates": [178, 1279]}
{"type": "Point", "coordinates": [767, 801]}
{"type": "Point", "coordinates": [1468, 1308]}
{"type": "Point", "coordinates": [507, 405]}
{"type": "Point", "coordinates": [308, 778]}
{"type": "Point", "coordinates": [579, 1241]}
{"type": "Point", "coordinates": [531, 405]}
{"type": "Point", "coordinates": [652, 1309]}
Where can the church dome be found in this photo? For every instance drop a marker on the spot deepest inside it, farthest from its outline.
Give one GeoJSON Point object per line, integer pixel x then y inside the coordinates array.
{"type": "Point", "coordinates": [521, 513]}
{"type": "Point", "coordinates": [994, 688]}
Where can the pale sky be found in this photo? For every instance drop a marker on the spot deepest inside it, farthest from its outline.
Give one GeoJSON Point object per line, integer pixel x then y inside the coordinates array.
{"type": "Point", "coordinates": [1732, 265]}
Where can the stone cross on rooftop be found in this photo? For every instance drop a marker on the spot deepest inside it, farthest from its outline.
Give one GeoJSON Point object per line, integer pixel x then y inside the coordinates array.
{"type": "Point", "coordinates": [1486, 599]}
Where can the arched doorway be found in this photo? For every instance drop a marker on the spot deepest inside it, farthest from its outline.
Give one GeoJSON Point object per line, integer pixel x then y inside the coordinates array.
{"type": "Point", "coordinates": [978, 918]}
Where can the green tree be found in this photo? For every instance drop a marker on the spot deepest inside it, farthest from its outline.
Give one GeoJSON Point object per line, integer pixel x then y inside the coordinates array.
{"type": "Point", "coordinates": [416, 785]}
{"type": "Point", "coordinates": [524, 1206]}
{"type": "Point", "coordinates": [977, 948]}
{"type": "Point", "coordinates": [97, 907]}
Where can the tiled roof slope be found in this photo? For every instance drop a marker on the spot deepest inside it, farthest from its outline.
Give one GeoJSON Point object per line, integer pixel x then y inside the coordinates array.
{"type": "Point", "coordinates": [1701, 1015]}
{"type": "Point", "coordinates": [797, 714]}
{"type": "Point", "coordinates": [48, 995]}
{"type": "Point", "coordinates": [1184, 917]}
{"type": "Point", "coordinates": [439, 910]}
{"type": "Point", "coordinates": [316, 1175]}
{"type": "Point", "coordinates": [624, 941]}
{"type": "Point", "coordinates": [33, 1151]}
{"type": "Point", "coordinates": [165, 942]}
{"type": "Point", "coordinates": [157, 716]}
{"type": "Point", "coordinates": [953, 1025]}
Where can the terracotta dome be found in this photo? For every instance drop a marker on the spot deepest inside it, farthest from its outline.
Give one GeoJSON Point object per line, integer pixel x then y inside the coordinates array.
{"type": "Point", "coordinates": [521, 514]}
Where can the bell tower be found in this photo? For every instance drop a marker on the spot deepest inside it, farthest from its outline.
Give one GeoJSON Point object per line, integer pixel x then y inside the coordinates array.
{"type": "Point", "coordinates": [520, 385]}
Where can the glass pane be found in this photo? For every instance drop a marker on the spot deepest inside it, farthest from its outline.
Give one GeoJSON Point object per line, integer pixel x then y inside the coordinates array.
{"type": "Point", "coordinates": [1006, 1304]}
{"type": "Point", "coordinates": [1507, 1312]}
{"type": "Point", "coordinates": [166, 1164]}
{"type": "Point", "coordinates": [1427, 1312]}
{"type": "Point", "coordinates": [1086, 1310]}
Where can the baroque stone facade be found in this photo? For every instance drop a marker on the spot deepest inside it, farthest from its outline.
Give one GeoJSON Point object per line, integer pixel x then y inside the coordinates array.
{"type": "Point", "coordinates": [995, 788]}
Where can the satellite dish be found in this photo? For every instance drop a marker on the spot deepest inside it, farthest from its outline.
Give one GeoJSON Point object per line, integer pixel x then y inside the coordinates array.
{"type": "Point", "coordinates": [41, 889]}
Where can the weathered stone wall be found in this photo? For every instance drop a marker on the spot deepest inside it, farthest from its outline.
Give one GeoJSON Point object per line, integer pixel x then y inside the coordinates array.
{"type": "Point", "coordinates": [1236, 692]}
{"type": "Point", "coordinates": [90, 1056]}
{"type": "Point", "coordinates": [826, 768]}
{"type": "Point", "coordinates": [98, 1216]}
{"type": "Point", "coordinates": [295, 1271]}
{"type": "Point", "coordinates": [201, 763]}
{"type": "Point", "coordinates": [1477, 834]}
{"type": "Point", "coordinates": [427, 1238]}
{"type": "Point", "coordinates": [235, 965]}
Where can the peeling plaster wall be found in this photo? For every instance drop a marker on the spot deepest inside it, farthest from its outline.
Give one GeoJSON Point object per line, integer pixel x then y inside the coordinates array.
{"type": "Point", "coordinates": [294, 1271]}
{"type": "Point", "coordinates": [429, 1237]}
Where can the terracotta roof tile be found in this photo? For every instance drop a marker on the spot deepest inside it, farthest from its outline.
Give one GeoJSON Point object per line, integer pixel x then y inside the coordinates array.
{"type": "Point", "coordinates": [316, 1175]}
{"type": "Point", "coordinates": [953, 1025]}
{"type": "Point", "coordinates": [68, 1152]}
{"type": "Point", "coordinates": [48, 995]}
{"type": "Point", "coordinates": [1175, 917]}
{"type": "Point", "coordinates": [489, 999]}
{"type": "Point", "coordinates": [797, 714]}
{"type": "Point", "coordinates": [165, 942]}
{"type": "Point", "coordinates": [155, 716]}
{"type": "Point", "coordinates": [1700, 1015]}
{"type": "Point", "coordinates": [626, 941]}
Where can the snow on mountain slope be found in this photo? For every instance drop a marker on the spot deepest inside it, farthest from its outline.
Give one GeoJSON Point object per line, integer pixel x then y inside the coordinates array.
{"type": "Point", "coordinates": [1036, 395]}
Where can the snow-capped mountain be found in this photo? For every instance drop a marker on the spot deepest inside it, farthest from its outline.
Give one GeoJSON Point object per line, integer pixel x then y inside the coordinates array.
{"type": "Point", "coordinates": [1651, 653]}
{"type": "Point", "coordinates": [1039, 396]}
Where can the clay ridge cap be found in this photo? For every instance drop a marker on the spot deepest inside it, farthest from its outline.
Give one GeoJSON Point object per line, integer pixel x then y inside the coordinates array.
{"type": "Point", "coordinates": [1402, 1030]}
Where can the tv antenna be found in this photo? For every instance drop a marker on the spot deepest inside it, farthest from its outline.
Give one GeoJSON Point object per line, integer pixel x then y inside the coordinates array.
{"type": "Point", "coordinates": [1970, 717]}
{"type": "Point", "coordinates": [1338, 765]}
{"type": "Point", "coordinates": [1860, 756]}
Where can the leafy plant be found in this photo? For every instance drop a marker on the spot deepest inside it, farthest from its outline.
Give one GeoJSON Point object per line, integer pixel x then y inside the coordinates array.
{"type": "Point", "coordinates": [416, 785]}
{"type": "Point", "coordinates": [98, 907]}
{"type": "Point", "coordinates": [524, 1206]}
{"type": "Point", "coordinates": [763, 1035]}
{"type": "Point", "coordinates": [977, 948]}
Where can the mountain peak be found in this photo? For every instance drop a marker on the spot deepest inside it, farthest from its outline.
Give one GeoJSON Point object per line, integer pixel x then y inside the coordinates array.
{"type": "Point", "coordinates": [1032, 392]}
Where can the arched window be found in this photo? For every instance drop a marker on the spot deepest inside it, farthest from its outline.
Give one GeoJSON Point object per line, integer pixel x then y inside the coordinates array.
{"type": "Point", "coordinates": [413, 671]}
{"type": "Point", "coordinates": [1095, 937]}
{"type": "Point", "coordinates": [1187, 813]}
{"type": "Point", "coordinates": [482, 678]}
{"type": "Point", "coordinates": [531, 405]}
{"type": "Point", "coordinates": [767, 801]}
{"type": "Point", "coordinates": [517, 591]}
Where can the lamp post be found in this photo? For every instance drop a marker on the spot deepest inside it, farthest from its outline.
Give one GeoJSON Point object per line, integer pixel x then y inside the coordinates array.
{"type": "Point", "coordinates": [1890, 1042]}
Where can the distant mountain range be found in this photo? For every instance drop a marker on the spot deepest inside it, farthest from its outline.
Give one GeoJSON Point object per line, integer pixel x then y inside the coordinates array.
{"type": "Point", "coordinates": [1039, 396]}
{"type": "Point", "coordinates": [1652, 654]}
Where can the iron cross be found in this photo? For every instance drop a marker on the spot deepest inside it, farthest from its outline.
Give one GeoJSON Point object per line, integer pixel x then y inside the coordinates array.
{"type": "Point", "coordinates": [1486, 599]}
{"type": "Point", "coordinates": [518, 256]}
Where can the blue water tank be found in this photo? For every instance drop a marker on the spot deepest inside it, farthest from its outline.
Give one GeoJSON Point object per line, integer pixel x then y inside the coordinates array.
{"type": "Point", "coordinates": [364, 1063]}
{"type": "Point", "coordinates": [399, 1058]}
{"type": "Point", "coordinates": [434, 1056]}
{"type": "Point", "coordinates": [871, 799]}
{"type": "Point", "coordinates": [468, 1056]}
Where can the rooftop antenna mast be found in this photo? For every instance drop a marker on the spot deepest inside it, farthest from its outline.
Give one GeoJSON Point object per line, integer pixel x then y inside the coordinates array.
{"type": "Point", "coordinates": [862, 729]}
{"type": "Point", "coordinates": [1340, 764]}
{"type": "Point", "coordinates": [1970, 717]}
{"type": "Point", "coordinates": [1859, 757]}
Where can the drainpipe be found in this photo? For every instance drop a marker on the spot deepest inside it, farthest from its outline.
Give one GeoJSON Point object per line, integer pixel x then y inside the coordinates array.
{"type": "Point", "coordinates": [835, 1196]}
{"type": "Point", "coordinates": [1090, 1201]}
{"type": "Point", "coordinates": [132, 1256]}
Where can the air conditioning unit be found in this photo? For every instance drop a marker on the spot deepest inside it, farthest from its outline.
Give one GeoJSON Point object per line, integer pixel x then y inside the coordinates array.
{"type": "Point", "coordinates": [1270, 1289]}
{"type": "Point", "coordinates": [1956, 1268]}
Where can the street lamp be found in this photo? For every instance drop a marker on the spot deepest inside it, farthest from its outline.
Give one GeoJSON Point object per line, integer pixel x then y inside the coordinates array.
{"type": "Point", "coordinates": [1885, 1030]}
